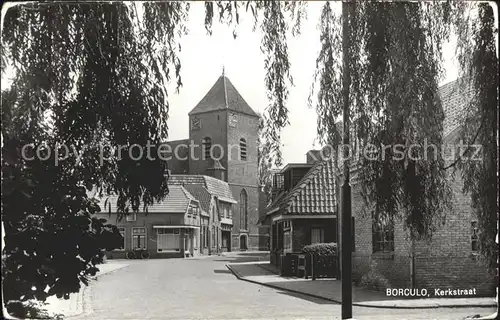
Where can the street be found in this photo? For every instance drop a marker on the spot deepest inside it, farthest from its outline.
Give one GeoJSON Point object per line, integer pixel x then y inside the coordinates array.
{"type": "Point", "coordinates": [206, 289]}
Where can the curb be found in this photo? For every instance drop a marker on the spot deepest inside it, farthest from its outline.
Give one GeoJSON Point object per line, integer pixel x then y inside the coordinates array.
{"type": "Point", "coordinates": [356, 304]}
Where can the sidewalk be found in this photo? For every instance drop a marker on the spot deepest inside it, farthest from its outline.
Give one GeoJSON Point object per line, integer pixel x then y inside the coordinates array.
{"type": "Point", "coordinates": [265, 274]}
{"type": "Point", "coordinates": [75, 304]}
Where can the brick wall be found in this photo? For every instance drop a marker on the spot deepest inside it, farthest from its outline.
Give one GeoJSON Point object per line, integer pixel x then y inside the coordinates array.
{"type": "Point", "coordinates": [213, 125]}
{"type": "Point", "coordinates": [243, 171]}
{"type": "Point", "coordinates": [257, 237]}
{"type": "Point", "coordinates": [448, 260]}
{"type": "Point", "coordinates": [395, 267]}
{"type": "Point", "coordinates": [445, 262]}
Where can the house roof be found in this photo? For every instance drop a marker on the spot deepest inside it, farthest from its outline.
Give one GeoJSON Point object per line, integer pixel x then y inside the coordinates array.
{"type": "Point", "coordinates": [203, 196]}
{"type": "Point", "coordinates": [177, 201]}
{"type": "Point", "coordinates": [214, 186]}
{"type": "Point", "coordinates": [223, 95]}
{"type": "Point", "coordinates": [454, 99]}
{"type": "Point", "coordinates": [296, 165]}
{"type": "Point", "coordinates": [313, 194]}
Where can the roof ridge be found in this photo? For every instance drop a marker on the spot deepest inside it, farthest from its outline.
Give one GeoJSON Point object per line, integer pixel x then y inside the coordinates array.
{"type": "Point", "coordinates": [225, 90]}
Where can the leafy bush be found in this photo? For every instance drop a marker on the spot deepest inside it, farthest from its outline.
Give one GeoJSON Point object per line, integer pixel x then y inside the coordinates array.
{"type": "Point", "coordinates": [374, 280]}
{"type": "Point", "coordinates": [325, 258]}
{"type": "Point", "coordinates": [321, 249]}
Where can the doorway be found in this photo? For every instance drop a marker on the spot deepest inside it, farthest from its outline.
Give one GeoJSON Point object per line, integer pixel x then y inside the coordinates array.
{"type": "Point", "coordinates": [243, 242]}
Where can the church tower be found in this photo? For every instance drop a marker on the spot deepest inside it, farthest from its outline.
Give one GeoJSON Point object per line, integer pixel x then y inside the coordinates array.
{"type": "Point", "coordinates": [223, 129]}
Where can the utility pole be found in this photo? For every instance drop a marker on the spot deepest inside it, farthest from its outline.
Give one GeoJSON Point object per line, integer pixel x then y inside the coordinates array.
{"type": "Point", "coordinates": [346, 239]}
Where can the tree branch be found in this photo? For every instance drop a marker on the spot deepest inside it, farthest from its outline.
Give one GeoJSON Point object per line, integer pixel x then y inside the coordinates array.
{"type": "Point", "coordinates": [468, 147]}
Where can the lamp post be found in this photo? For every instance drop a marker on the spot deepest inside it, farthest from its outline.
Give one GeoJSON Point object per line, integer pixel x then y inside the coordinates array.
{"type": "Point", "coordinates": [346, 239]}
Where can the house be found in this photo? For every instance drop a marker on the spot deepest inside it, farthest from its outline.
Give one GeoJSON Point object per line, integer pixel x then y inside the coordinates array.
{"type": "Point", "coordinates": [194, 219]}
{"type": "Point", "coordinates": [223, 131]}
{"type": "Point", "coordinates": [304, 209]}
{"type": "Point", "coordinates": [216, 202]}
{"type": "Point", "coordinates": [303, 192]}
{"type": "Point", "coordinates": [170, 228]}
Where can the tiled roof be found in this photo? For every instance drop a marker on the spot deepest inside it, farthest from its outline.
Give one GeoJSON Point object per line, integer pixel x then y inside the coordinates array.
{"type": "Point", "coordinates": [202, 195]}
{"type": "Point", "coordinates": [223, 95]}
{"type": "Point", "coordinates": [454, 99]}
{"type": "Point", "coordinates": [313, 194]}
{"type": "Point", "coordinates": [214, 186]}
{"type": "Point", "coordinates": [177, 201]}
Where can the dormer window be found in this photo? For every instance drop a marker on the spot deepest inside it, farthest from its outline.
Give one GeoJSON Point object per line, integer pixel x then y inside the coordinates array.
{"type": "Point", "coordinates": [243, 149]}
{"type": "Point", "coordinates": [207, 146]}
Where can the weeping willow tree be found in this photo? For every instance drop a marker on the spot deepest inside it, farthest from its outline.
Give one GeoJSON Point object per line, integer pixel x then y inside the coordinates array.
{"type": "Point", "coordinates": [93, 74]}
{"type": "Point", "coordinates": [395, 62]}
{"type": "Point", "coordinates": [478, 56]}
{"type": "Point", "coordinates": [86, 77]}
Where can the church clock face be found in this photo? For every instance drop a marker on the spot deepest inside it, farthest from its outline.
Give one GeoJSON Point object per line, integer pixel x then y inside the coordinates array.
{"type": "Point", "coordinates": [195, 124]}
{"type": "Point", "coordinates": [233, 120]}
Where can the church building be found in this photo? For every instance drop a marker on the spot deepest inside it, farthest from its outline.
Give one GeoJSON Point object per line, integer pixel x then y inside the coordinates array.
{"type": "Point", "coordinates": [222, 144]}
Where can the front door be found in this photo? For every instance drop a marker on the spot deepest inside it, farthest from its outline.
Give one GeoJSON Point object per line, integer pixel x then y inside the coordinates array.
{"type": "Point", "coordinates": [243, 242]}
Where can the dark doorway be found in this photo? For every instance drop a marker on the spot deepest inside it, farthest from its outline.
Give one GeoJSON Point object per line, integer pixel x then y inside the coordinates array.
{"type": "Point", "coordinates": [243, 242]}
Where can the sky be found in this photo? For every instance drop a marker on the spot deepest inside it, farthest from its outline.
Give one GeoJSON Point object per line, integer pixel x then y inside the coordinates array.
{"type": "Point", "coordinates": [203, 57]}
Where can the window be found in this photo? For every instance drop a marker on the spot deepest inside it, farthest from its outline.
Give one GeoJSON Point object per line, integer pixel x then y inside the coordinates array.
{"type": "Point", "coordinates": [168, 239]}
{"type": "Point", "coordinates": [192, 210]}
{"type": "Point", "coordinates": [383, 236]}
{"type": "Point", "coordinates": [317, 235]}
{"type": "Point", "coordinates": [207, 146]}
{"type": "Point", "coordinates": [243, 210]}
{"type": "Point", "coordinates": [278, 181]}
{"type": "Point", "coordinates": [213, 237]}
{"type": "Point", "coordinates": [139, 238]}
{"type": "Point", "coordinates": [226, 211]}
{"type": "Point", "coordinates": [205, 234]}
{"type": "Point", "coordinates": [287, 246]}
{"type": "Point", "coordinates": [131, 217]}
{"type": "Point", "coordinates": [122, 232]}
{"type": "Point", "coordinates": [243, 149]}
{"type": "Point", "coordinates": [474, 238]}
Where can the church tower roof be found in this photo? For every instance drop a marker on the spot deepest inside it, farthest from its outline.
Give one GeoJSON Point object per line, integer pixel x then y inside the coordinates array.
{"type": "Point", "coordinates": [223, 95]}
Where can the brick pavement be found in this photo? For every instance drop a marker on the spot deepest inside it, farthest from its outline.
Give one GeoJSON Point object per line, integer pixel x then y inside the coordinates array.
{"type": "Point", "coordinates": [74, 306]}
{"type": "Point", "coordinates": [205, 289]}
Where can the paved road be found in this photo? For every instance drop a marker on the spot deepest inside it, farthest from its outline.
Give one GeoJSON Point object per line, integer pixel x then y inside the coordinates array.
{"type": "Point", "coordinates": [205, 289]}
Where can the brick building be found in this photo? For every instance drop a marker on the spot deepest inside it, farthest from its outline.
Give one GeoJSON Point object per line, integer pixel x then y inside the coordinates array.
{"type": "Point", "coordinates": [214, 171]}
{"type": "Point", "coordinates": [448, 261]}
{"type": "Point", "coordinates": [194, 219]}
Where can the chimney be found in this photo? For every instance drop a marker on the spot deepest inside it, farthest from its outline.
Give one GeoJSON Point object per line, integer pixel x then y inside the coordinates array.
{"type": "Point", "coordinates": [313, 156]}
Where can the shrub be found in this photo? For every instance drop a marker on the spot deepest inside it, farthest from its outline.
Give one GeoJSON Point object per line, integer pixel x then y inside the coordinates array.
{"type": "Point", "coordinates": [325, 257]}
{"type": "Point", "coordinates": [374, 280]}
{"type": "Point", "coordinates": [321, 249]}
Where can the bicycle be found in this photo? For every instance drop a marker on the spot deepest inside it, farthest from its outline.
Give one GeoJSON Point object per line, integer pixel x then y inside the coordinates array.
{"type": "Point", "coordinates": [138, 253]}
